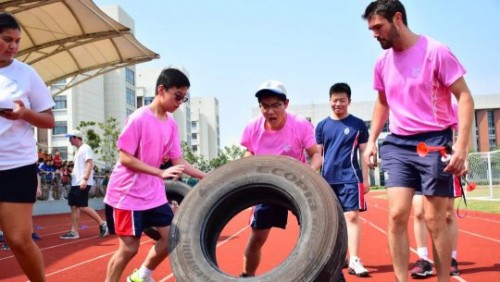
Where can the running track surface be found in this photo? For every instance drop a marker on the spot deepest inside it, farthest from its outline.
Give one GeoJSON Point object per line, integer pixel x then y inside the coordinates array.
{"type": "Point", "coordinates": [86, 259]}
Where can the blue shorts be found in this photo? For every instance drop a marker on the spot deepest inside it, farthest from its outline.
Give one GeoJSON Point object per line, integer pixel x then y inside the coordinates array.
{"type": "Point", "coordinates": [402, 166]}
{"type": "Point", "coordinates": [456, 188]}
{"type": "Point", "coordinates": [266, 216]}
{"type": "Point", "coordinates": [351, 196]}
{"type": "Point", "coordinates": [131, 223]}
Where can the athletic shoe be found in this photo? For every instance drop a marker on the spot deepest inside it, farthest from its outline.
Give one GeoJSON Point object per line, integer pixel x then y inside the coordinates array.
{"type": "Point", "coordinates": [244, 275]}
{"type": "Point", "coordinates": [454, 268]}
{"type": "Point", "coordinates": [422, 268]}
{"type": "Point", "coordinates": [152, 233]}
{"type": "Point", "coordinates": [134, 277]}
{"type": "Point", "coordinates": [69, 236]}
{"type": "Point", "coordinates": [5, 247]}
{"type": "Point", "coordinates": [35, 236]}
{"type": "Point", "coordinates": [357, 268]}
{"type": "Point", "coordinates": [103, 230]}
{"type": "Point", "coordinates": [1, 238]}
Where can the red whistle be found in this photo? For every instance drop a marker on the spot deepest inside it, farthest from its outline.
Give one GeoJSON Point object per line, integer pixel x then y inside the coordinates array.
{"type": "Point", "coordinates": [470, 185]}
{"type": "Point", "coordinates": [444, 151]}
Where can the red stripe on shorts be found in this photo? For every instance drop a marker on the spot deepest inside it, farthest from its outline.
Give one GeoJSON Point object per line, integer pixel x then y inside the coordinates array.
{"type": "Point", "coordinates": [124, 222]}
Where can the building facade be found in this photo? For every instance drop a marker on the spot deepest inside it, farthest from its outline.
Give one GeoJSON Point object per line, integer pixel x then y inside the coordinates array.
{"type": "Point", "coordinates": [205, 131]}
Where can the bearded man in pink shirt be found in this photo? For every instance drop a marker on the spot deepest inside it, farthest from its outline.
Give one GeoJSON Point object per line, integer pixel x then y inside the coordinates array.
{"type": "Point", "coordinates": [275, 132]}
{"type": "Point", "coordinates": [415, 78]}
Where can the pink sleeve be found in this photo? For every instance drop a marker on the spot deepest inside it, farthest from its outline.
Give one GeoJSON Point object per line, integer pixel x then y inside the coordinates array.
{"type": "Point", "coordinates": [246, 138]}
{"type": "Point", "coordinates": [308, 138]}
{"type": "Point", "coordinates": [128, 140]}
{"type": "Point", "coordinates": [449, 68]}
{"type": "Point", "coordinates": [378, 83]}
{"type": "Point", "coordinates": [175, 151]}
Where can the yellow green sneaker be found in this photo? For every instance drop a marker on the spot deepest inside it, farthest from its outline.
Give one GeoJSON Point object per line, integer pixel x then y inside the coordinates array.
{"type": "Point", "coordinates": [134, 277]}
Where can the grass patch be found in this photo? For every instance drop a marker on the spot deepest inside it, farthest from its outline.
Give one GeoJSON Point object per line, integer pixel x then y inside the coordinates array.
{"type": "Point", "coordinates": [487, 206]}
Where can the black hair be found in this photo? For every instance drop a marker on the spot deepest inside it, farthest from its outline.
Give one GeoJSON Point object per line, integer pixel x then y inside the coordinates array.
{"type": "Point", "coordinates": [385, 8]}
{"type": "Point", "coordinates": [341, 87]}
{"type": "Point", "coordinates": [172, 77]}
{"type": "Point", "coordinates": [8, 21]}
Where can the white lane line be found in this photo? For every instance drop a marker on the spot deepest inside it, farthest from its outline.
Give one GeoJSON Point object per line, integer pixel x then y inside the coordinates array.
{"type": "Point", "coordinates": [69, 242]}
{"type": "Point", "coordinates": [171, 275]}
{"type": "Point", "coordinates": [460, 230]}
{"type": "Point", "coordinates": [378, 228]}
{"type": "Point", "coordinates": [85, 262]}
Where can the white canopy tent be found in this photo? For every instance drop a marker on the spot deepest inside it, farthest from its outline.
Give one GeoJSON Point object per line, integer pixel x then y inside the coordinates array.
{"type": "Point", "coordinates": [73, 40]}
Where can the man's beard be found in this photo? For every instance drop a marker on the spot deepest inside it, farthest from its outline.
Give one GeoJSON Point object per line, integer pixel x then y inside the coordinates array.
{"type": "Point", "coordinates": [389, 42]}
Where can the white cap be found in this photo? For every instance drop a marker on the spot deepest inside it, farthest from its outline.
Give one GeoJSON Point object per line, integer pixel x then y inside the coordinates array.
{"type": "Point", "coordinates": [75, 133]}
{"type": "Point", "coordinates": [271, 87]}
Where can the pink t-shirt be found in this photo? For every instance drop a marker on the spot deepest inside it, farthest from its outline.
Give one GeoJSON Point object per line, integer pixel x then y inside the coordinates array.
{"type": "Point", "coordinates": [416, 83]}
{"type": "Point", "coordinates": [148, 139]}
{"type": "Point", "coordinates": [296, 136]}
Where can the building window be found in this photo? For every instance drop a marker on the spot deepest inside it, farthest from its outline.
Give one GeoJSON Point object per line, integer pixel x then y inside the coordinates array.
{"type": "Point", "coordinates": [148, 100]}
{"type": "Point", "coordinates": [491, 130]}
{"type": "Point", "coordinates": [130, 97]}
{"type": "Point", "coordinates": [194, 136]}
{"type": "Point", "coordinates": [61, 102]}
{"type": "Point", "coordinates": [130, 76]}
{"type": "Point", "coordinates": [194, 124]}
{"type": "Point", "coordinates": [194, 148]}
{"type": "Point", "coordinates": [61, 127]}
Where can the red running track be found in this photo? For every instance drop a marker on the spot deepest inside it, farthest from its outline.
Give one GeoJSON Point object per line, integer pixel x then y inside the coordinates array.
{"type": "Point", "coordinates": [86, 259]}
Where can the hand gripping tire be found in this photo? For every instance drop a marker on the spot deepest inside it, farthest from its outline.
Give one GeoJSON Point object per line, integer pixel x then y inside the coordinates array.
{"type": "Point", "coordinates": [176, 191]}
{"type": "Point", "coordinates": [322, 243]}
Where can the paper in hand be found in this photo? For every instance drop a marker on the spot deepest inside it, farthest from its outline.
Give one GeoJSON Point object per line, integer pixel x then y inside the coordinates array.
{"type": "Point", "coordinates": [6, 105]}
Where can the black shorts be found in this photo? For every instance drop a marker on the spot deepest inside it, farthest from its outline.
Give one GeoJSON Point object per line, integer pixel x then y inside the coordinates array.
{"type": "Point", "coordinates": [18, 185]}
{"type": "Point", "coordinates": [79, 198]}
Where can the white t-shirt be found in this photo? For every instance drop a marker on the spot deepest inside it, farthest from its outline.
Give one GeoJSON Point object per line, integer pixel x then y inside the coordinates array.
{"type": "Point", "coordinates": [17, 143]}
{"type": "Point", "coordinates": [82, 154]}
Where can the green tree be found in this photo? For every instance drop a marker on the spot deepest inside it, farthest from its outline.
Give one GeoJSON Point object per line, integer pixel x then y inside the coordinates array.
{"type": "Point", "coordinates": [225, 155]}
{"type": "Point", "coordinates": [101, 137]}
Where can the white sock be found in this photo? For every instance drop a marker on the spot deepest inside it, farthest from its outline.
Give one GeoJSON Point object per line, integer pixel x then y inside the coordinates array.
{"type": "Point", "coordinates": [423, 253]}
{"type": "Point", "coordinates": [454, 254]}
{"type": "Point", "coordinates": [353, 259]}
{"type": "Point", "coordinates": [144, 273]}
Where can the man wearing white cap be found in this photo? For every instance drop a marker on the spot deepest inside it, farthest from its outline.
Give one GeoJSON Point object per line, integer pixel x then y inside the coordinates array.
{"type": "Point", "coordinates": [82, 179]}
{"type": "Point", "coordinates": [275, 132]}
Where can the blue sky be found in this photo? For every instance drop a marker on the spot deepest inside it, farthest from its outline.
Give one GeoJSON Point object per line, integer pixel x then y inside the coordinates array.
{"type": "Point", "coordinates": [229, 47]}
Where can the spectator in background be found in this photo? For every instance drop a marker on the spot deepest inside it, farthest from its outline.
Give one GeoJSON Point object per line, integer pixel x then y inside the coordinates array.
{"type": "Point", "coordinates": [81, 181]}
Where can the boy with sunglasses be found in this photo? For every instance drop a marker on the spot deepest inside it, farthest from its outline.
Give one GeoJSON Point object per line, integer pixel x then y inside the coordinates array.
{"type": "Point", "coordinates": [136, 193]}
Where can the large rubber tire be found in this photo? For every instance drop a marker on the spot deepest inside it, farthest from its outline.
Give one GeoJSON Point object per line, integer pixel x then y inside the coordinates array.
{"type": "Point", "coordinates": [321, 247]}
{"type": "Point", "coordinates": [176, 191]}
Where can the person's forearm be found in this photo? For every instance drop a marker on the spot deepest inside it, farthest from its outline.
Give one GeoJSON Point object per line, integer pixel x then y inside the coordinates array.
{"type": "Point", "coordinates": [316, 161]}
{"type": "Point", "coordinates": [43, 119]}
{"type": "Point", "coordinates": [135, 164]}
{"type": "Point", "coordinates": [189, 169]}
{"type": "Point", "coordinates": [88, 169]}
{"type": "Point", "coordinates": [465, 119]}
